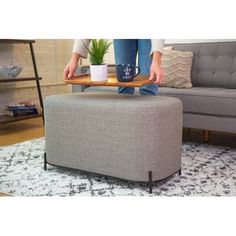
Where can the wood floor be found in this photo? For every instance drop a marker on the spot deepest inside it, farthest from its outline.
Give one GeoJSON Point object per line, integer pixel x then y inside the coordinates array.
{"type": "Point", "coordinates": [4, 195]}
{"type": "Point", "coordinates": [20, 131]}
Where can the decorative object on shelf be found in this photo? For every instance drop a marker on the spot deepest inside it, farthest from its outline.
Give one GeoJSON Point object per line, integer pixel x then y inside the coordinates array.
{"type": "Point", "coordinates": [21, 109]}
{"type": "Point", "coordinates": [97, 52]}
{"type": "Point", "coordinates": [9, 72]}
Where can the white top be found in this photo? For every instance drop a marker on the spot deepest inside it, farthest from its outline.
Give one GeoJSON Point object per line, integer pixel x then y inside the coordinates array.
{"type": "Point", "coordinates": [81, 46]}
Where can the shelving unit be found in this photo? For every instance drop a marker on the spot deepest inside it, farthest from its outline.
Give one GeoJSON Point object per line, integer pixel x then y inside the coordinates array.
{"type": "Point", "coordinates": [36, 78]}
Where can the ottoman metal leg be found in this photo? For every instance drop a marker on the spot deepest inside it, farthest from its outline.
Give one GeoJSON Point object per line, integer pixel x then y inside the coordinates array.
{"type": "Point", "coordinates": [45, 161]}
{"type": "Point", "coordinates": [150, 181]}
{"type": "Point", "coordinates": [180, 171]}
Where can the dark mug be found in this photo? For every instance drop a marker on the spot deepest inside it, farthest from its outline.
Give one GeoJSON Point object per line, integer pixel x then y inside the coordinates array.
{"type": "Point", "coordinates": [126, 72]}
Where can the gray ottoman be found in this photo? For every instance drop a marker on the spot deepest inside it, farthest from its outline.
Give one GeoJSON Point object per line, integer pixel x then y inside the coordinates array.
{"type": "Point", "coordinates": [131, 137]}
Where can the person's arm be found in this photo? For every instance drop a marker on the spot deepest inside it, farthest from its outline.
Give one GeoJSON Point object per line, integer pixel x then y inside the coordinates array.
{"type": "Point", "coordinates": [156, 72]}
{"type": "Point", "coordinates": [157, 45]}
{"type": "Point", "coordinates": [80, 49]}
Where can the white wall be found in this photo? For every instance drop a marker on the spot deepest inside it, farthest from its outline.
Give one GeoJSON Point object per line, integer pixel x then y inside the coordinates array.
{"type": "Point", "coordinates": [197, 40]}
{"type": "Point", "coordinates": [109, 58]}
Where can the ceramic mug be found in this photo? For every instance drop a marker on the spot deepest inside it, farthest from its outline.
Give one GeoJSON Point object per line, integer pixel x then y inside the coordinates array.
{"type": "Point", "coordinates": [126, 72]}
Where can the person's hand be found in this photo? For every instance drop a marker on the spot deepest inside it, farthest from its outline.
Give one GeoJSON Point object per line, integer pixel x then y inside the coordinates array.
{"type": "Point", "coordinates": [71, 67]}
{"type": "Point", "coordinates": [156, 73]}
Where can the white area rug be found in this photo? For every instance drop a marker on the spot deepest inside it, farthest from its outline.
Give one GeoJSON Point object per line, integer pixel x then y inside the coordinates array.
{"type": "Point", "coordinates": [206, 171]}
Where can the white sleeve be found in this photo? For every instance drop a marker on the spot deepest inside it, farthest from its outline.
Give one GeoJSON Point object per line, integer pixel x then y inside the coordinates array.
{"type": "Point", "coordinates": [157, 45]}
{"type": "Point", "coordinates": [81, 47]}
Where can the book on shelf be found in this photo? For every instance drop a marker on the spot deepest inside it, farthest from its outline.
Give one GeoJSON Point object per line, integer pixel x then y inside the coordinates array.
{"type": "Point", "coordinates": [20, 108]}
{"type": "Point", "coordinates": [21, 113]}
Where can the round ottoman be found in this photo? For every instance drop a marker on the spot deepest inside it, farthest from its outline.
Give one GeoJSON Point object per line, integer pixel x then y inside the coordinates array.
{"type": "Point", "coordinates": [131, 137]}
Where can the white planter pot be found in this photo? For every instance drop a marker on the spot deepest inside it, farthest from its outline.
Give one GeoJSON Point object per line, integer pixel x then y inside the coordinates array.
{"type": "Point", "coordinates": [98, 72]}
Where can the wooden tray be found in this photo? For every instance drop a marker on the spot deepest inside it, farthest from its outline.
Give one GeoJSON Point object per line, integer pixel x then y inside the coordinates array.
{"type": "Point", "coordinates": [84, 79]}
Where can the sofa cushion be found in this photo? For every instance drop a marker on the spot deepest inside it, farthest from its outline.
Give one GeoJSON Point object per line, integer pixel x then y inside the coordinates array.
{"type": "Point", "coordinates": [209, 101]}
{"type": "Point", "coordinates": [214, 64]}
{"type": "Point", "coordinates": [176, 66]}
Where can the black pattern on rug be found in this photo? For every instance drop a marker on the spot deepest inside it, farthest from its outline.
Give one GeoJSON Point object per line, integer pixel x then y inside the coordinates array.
{"type": "Point", "coordinates": [206, 171]}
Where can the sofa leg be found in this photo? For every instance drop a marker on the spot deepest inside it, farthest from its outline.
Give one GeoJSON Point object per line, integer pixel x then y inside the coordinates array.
{"type": "Point", "coordinates": [150, 181]}
{"type": "Point", "coordinates": [45, 161]}
{"type": "Point", "coordinates": [205, 136]}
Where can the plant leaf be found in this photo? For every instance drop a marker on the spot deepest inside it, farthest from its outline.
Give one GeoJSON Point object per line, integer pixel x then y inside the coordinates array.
{"type": "Point", "coordinates": [97, 51]}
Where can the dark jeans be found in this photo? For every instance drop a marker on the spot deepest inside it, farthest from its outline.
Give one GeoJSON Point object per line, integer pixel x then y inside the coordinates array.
{"type": "Point", "coordinates": [126, 52]}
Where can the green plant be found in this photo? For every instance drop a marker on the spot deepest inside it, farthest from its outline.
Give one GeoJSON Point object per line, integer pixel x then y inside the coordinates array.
{"type": "Point", "coordinates": [99, 47]}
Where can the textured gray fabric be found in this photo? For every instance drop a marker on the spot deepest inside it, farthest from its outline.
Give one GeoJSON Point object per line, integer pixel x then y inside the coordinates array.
{"type": "Point", "coordinates": [214, 64]}
{"type": "Point", "coordinates": [209, 101]}
{"type": "Point", "coordinates": [124, 136]}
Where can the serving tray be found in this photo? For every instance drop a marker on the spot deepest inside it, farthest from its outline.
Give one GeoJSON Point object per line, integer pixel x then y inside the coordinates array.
{"type": "Point", "coordinates": [85, 79]}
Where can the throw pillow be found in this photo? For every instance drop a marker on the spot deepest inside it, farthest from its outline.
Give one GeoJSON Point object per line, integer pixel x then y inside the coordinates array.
{"type": "Point", "coordinates": [177, 68]}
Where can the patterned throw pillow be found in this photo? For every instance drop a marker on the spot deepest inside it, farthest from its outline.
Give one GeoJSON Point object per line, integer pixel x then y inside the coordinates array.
{"type": "Point", "coordinates": [177, 68]}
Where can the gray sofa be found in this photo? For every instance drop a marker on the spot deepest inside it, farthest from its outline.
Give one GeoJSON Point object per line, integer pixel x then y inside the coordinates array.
{"type": "Point", "coordinates": [211, 103]}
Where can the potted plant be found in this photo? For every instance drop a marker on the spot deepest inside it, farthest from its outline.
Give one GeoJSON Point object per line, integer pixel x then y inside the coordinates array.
{"type": "Point", "coordinates": [97, 51]}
